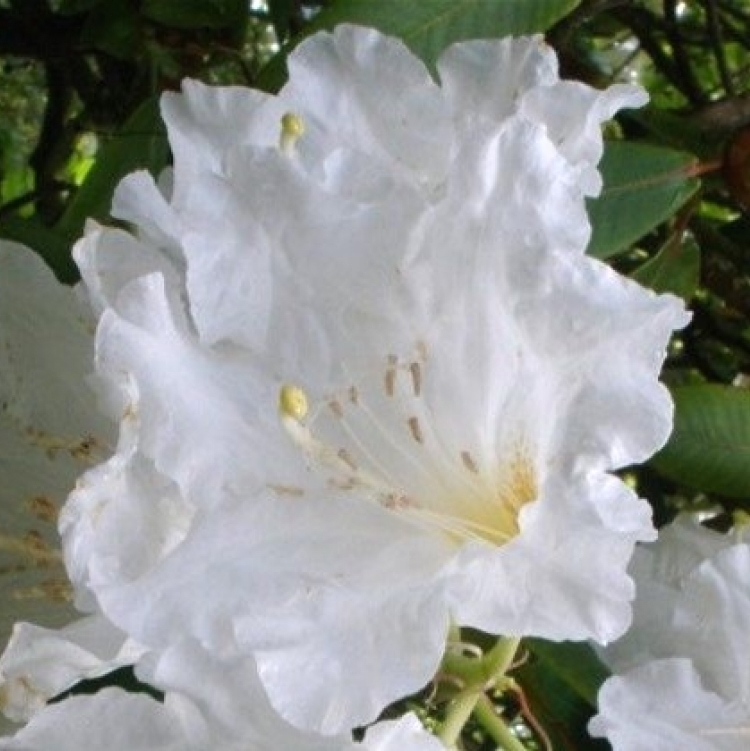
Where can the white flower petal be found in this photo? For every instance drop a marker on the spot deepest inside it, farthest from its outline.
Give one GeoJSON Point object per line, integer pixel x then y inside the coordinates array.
{"type": "Point", "coordinates": [111, 719]}
{"type": "Point", "coordinates": [341, 80]}
{"type": "Point", "coordinates": [206, 122]}
{"type": "Point", "coordinates": [487, 79]}
{"type": "Point", "coordinates": [406, 733]}
{"type": "Point", "coordinates": [662, 706]}
{"type": "Point", "coordinates": [49, 431]}
{"type": "Point", "coordinates": [331, 622]}
{"type": "Point", "coordinates": [209, 702]}
{"type": "Point", "coordinates": [39, 663]}
{"type": "Point", "coordinates": [491, 80]}
{"type": "Point", "coordinates": [686, 656]}
{"type": "Point", "coordinates": [692, 602]}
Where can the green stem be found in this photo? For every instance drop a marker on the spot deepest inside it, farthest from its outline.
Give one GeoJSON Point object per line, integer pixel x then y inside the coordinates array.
{"type": "Point", "coordinates": [499, 659]}
{"type": "Point", "coordinates": [494, 725]}
{"type": "Point", "coordinates": [458, 715]}
{"type": "Point", "coordinates": [491, 667]}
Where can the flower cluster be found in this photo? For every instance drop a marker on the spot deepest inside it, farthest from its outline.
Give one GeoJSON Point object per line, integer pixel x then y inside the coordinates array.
{"type": "Point", "coordinates": [368, 385]}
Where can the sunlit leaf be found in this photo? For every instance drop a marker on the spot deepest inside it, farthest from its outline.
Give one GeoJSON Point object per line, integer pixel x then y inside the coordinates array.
{"type": "Point", "coordinates": [675, 268]}
{"type": "Point", "coordinates": [710, 446]}
{"type": "Point", "coordinates": [643, 186]}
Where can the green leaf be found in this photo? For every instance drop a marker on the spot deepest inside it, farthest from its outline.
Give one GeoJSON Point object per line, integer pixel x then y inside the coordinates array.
{"type": "Point", "coordinates": [561, 682]}
{"type": "Point", "coordinates": [140, 144]}
{"type": "Point", "coordinates": [281, 12]}
{"type": "Point", "coordinates": [429, 26]}
{"type": "Point", "coordinates": [196, 14]}
{"type": "Point", "coordinates": [709, 449]}
{"type": "Point", "coordinates": [643, 186]}
{"type": "Point", "coordinates": [71, 7]}
{"type": "Point", "coordinates": [574, 663]}
{"type": "Point", "coordinates": [675, 268]}
{"type": "Point", "coordinates": [113, 27]}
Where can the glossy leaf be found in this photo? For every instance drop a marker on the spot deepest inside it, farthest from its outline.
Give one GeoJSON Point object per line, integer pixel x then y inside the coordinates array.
{"type": "Point", "coordinates": [196, 14]}
{"type": "Point", "coordinates": [429, 26]}
{"type": "Point", "coordinates": [709, 449]}
{"type": "Point", "coordinates": [675, 268]}
{"type": "Point", "coordinates": [643, 186]}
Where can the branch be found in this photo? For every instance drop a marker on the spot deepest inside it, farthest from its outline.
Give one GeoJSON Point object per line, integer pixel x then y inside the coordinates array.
{"type": "Point", "coordinates": [45, 37]}
{"type": "Point", "coordinates": [717, 43]}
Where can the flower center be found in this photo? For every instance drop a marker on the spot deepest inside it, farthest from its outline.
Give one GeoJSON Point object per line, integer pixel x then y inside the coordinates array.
{"type": "Point", "coordinates": [395, 458]}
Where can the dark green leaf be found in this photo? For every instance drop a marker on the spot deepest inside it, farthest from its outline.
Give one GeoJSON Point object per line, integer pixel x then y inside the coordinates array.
{"type": "Point", "coordinates": [560, 682]}
{"type": "Point", "coordinates": [196, 14]}
{"type": "Point", "coordinates": [710, 446]}
{"type": "Point", "coordinates": [141, 144]}
{"type": "Point", "coordinates": [71, 7]}
{"type": "Point", "coordinates": [429, 26]}
{"type": "Point", "coordinates": [113, 27]}
{"type": "Point", "coordinates": [675, 268]}
{"type": "Point", "coordinates": [643, 186]}
{"type": "Point", "coordinates": [281, 11]}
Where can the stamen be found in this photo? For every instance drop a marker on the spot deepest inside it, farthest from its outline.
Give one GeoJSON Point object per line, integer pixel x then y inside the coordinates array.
{"type": "Point", "coordinates": [291, 490]}
{"type": "Point", "coordinates": [43, 508]}
{"type": "Point", "coordinates": [292, 129]}
{"type": "Point", "coordinates": [336, 408]}
{"type": "Point", "coordinates": [353, 395]}
{"type": "Point", "coordinates": [416, 430]}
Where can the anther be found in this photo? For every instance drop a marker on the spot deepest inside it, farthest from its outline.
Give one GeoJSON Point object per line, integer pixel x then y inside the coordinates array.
{"type": "Point", "coordinates": [293, 402]}
{"type": "Point", "coordinates": [416, 430]}
{"type": "Point", "coordinates": [336, 408]}
{"type": "Point", "coordinates": [292, 129]}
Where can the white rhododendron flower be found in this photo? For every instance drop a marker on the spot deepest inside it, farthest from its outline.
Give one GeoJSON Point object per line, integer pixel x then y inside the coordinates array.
{"type": "Point", "coordinates": [369, 381]}
{"type": "Point", "coordinates": [208, 704]}
{"type": "Point", "coordinates": [683, 670]}
{"type": "Point", "coordinates": [50, 432]}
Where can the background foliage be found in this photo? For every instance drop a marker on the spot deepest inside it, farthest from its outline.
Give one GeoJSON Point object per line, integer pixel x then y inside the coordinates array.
{"type": "Point", "coordinates": [79, 87]}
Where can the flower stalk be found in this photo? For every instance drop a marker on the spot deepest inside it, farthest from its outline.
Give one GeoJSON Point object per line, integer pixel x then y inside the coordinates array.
{"type": "Point", "coordinates": [479, 675]}
{"type": "Point", "coordinates": [495, 727]}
